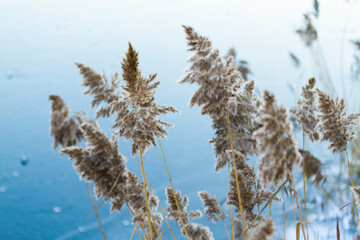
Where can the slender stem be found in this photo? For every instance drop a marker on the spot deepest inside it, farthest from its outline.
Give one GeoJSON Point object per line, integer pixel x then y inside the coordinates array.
{"type": "Point", "coordinates": [271, 217]}
{"type": "Point", "coordinates": [158, 233]}
{"type": "Point", "coordinates": [227, 233]}
{"type": "Point", "coordinates": [161, 210]}
{"type": "Point", "coordinates": [133, 233]}
{"type": "Point", "coordinates": [231, 213]}
{"type": "Point", "coordinates": [284, 213]}
{"type": "Point", "coordinates": [146, 196]}
{"type": "Point", "coordinates": [352, 185]}
{"type": "Point", "coordinates": [173, 191]}
{"type": "Point", "coordinates": [293, 207]}
{"type": "Point", "coordinates": [236, 177]}
{"type": "Point", "coordinates": [304, 183]}
{"type": "Point", "coordinates": [97, 215]}
{"type": "Point", "coordinates": [355, 170]}
{"type": "Point", "coordinates": [298, 206]}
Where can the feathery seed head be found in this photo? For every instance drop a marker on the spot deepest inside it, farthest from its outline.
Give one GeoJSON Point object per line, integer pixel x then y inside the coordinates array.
{"type": "Point", "coordinates": [263, 231]}
{"type": "Point", "coordinates": [335, 124]}
{"type": "Point", "coordinates": [276, 142]}
{"type": "Point", "coordinates": [212, 208]}
{"type": "Point", "coordinates": [305, 111]}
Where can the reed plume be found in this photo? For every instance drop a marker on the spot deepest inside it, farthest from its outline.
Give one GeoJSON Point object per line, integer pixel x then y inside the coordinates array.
{"type": "Point", "coordinates": [242, 65]}
{"type": "Point", "coordinates": [101, 163]}
{"type": "Point", "coordinates": [136, 112]}
{"type": "Point", "coordinates": [212, 208]}
{"type": "Point", "coordinates": [221, 89]}
{"type": "Point", "coordinates": [63, 128]}
{"type": "Point", "coordinates": [305, 110]}
{"type": "Point", "coordinates": [135, 108]}
{"type": "Point", "coordinates": [335, 125]}
{"type": "Point", "coordinates": [276, 142]}
{"type": "Point", "coordinates": [264, 231]}
{"type": "Point", "coordinates": [356, 193]}
{"type": "Point", "coordinates": [229, 101]}
{"type": "Point", "coordinates": [193, 230]}
{"type": "Point", "coordinates": [308, 34]}
{"type": "Point", "coordinates": [247, 195]}
{"type": "Point", "coordinates": [312, 167]}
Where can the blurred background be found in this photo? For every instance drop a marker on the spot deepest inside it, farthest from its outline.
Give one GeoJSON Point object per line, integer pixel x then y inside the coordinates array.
{"type": "Point", "coordinates": [41, 196]}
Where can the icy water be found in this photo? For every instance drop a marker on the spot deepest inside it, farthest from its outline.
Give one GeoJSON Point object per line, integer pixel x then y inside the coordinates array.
{"type": "Point", "coordinates": [41, 196]}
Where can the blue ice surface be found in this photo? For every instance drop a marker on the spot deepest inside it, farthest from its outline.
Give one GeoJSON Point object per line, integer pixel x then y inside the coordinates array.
{"type": "Point", "coordinates": [39, 44]}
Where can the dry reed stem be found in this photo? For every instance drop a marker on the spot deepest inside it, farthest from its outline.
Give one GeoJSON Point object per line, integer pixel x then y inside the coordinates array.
{"type": "Point", "coordinates": [293, 207]}
{"type": "Point", "coordinates": [231, 213]}
{"type": "Point", "coordinates": [145, 193]}
{"type": "Point", "coordinates": [355, 170]}
{"type": "Point", "coordinates": [270, 214]}
{"type": "Point", "coordinates": [173, 191]}
{"type": "Point", "coordinates": [133, 233]}
{"type": "Point", "coordinates": [132, 214]}
{"type": "Point", "coordinates": [236, 177]}
{"type": "Point", "coordinates": [303, 172]}
{"type": "Point", "coordinates": [97, 215]}
{"type": "Point", "coordinates": [298, 206]}
{"type": "Point", "coordinates": [227, 233]}
{"type": "Point", "coordinates": [162, 212]}
{"type": "Point", "coordinates": [157, 232]}
{"type": "Point", "coordinates": [284, 213]}
{"type": "Point", "coordinates": [352, 185]}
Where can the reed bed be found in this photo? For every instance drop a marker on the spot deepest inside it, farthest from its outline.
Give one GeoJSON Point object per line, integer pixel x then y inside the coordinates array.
{"type": "Point", "coordinates": [246, 125]}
